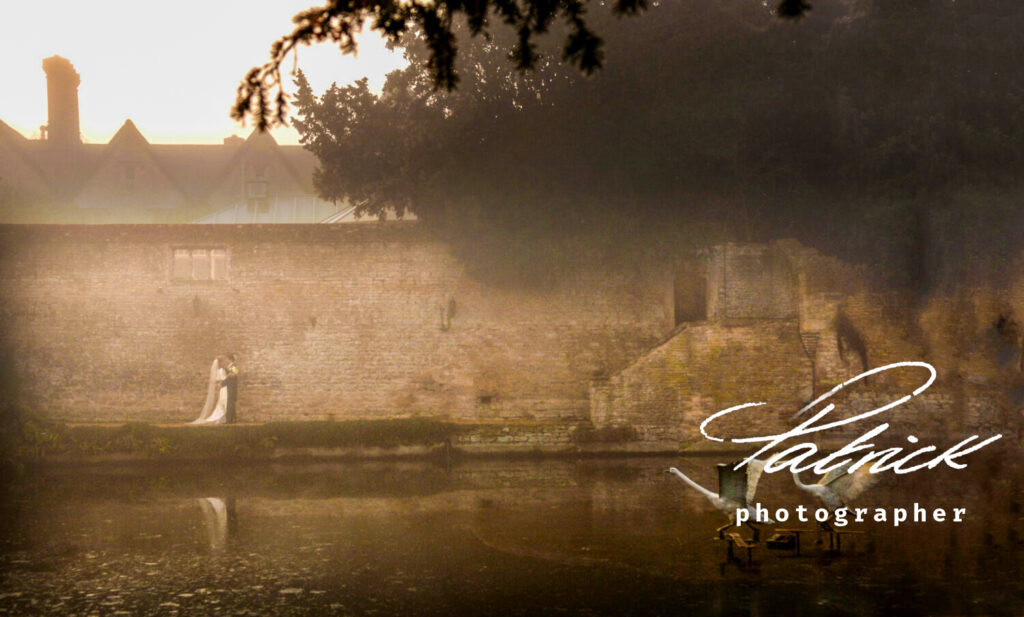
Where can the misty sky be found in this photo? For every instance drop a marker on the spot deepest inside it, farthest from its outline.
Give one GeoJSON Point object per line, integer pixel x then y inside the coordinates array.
{"type": "Point", "coordinates": [170, 67]}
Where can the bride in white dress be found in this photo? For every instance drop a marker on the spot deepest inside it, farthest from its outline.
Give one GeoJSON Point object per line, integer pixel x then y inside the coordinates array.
{"type": "Point", "coordinates": [216, 404]}
{"type": "Point", "coordinates": [215, 515]}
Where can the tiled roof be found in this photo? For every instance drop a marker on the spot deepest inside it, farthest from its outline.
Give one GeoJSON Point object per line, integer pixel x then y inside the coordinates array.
{"type": "Point", "coordinates": [196, 170]}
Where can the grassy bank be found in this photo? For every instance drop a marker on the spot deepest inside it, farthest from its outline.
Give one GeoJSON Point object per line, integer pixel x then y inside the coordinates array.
{"type": "Point", "coordinates": [28, 438]}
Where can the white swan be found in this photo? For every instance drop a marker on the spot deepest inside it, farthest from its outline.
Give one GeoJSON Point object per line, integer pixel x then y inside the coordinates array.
{"type": "Point", "coordinates": [838, 486]}
{"type": "Point", "coordinates": [729, 504]}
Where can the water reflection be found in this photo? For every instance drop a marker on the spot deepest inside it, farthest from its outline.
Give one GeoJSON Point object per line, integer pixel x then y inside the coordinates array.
{"type": "Point", "coordinates": [219, 517]}
{"type": "Point", "coordinates": [590, 537]}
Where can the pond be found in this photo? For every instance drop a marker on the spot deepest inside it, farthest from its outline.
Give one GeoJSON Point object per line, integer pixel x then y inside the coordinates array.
{"type": "Point", "coordinates": [586, 537]}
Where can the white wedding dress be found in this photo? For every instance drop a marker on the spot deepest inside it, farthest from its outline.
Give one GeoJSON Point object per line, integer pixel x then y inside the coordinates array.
{"type": "Point", "coordinates": [216, 398]}
{"type": "Point", "coordinates": [215, 516]}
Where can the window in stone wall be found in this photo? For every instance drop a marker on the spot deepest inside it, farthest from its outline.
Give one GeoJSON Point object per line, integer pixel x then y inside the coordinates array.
{"type": "Point", "coordinates": [200, 264]}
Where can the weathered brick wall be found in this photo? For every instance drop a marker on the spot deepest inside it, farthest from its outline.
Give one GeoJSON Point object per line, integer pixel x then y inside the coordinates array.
{"type": "Point", "coordinates": [708, 367]}
{"type": "Point", "coordinates": [773, 309]}
{"type": "Point", "coordinates": [704, 368]}
{"type": "Point", "coordinates": [327, 321]}
{"type": "Point", "coordinates": [351, 322]}
{"type": "Point", "coordinates": [751, 282]}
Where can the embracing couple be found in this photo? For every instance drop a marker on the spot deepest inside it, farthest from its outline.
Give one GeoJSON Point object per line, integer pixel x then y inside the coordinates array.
{"type": "Point", "coordinates": [220, 396]}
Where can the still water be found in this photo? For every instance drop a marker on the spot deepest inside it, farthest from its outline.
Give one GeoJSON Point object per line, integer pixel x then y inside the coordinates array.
{"type": "Point", "coordinates": [590, 537]}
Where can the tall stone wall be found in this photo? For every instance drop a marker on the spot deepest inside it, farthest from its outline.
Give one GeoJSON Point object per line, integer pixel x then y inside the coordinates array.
{"type": "Point", "coordinates": [705, 368]}
{"type": "Point", "coordinates": [751, 281]}
{"type": "Point", "coordinates": [785, 322]}
{"type": "Point", "coordinates": [360, 321]}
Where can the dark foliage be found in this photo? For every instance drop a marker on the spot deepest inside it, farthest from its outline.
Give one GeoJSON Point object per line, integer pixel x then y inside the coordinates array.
{"type": "Point", "coordinates": [868, 130]}
{"type": "Point", "coordinates": [260, 95]}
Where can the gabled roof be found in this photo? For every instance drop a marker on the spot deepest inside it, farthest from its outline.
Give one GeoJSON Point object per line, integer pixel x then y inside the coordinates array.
{"type": "Point", "coordinates": [19, 166]}
{"type": "Point", "coordinates": [198, 167]}
{"type": "Point", "coordinates": [284, 174]}
{"type": "Point", "coordinates": [129, 154]}
{"type": "Point", "coordinates": [7, 133]}
{"type": "Point", "coordinates": [199, 176]}
{"type": "Point", "coordinates": [128, 135]}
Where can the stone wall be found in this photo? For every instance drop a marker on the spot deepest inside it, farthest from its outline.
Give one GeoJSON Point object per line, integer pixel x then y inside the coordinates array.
{"type": "Point", "coordinates": [705, 368]}
{"type": "Point", "coordinates": [375, 321]}
{"type": "Point", "coordinates": [781, 317]}
{"type": "Point", "coordinates": [751, 282]}
{"type": "Point", "coordinates": [355, 321]}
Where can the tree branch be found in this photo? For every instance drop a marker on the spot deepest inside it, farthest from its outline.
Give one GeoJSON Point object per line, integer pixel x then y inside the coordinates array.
{"type": "Point", "coordinates": [261, 98]}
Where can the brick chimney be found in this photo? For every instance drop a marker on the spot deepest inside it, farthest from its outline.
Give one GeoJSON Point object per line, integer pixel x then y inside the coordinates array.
{"type": "Point", "coordinates": [62, 96]}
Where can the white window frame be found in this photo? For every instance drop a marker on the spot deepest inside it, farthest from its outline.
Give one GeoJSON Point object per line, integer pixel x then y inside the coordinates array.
{"type": "Point", "coordinates": [196, 255]}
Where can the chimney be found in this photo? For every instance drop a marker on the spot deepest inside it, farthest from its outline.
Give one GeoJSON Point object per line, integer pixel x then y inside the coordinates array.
{"type": "Point", "coordinates": [62, 96]}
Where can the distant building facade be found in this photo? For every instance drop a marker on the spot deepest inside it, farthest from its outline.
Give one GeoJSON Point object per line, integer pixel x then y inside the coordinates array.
{"type": "Point", "coordinates": [57, 178]}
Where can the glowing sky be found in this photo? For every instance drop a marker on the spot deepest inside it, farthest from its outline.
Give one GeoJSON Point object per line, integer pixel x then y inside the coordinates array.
{"type": "Point", "coordinates": [172, 67]}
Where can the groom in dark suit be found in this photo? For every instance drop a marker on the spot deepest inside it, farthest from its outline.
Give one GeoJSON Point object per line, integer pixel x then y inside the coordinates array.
{"type": "Point", "coordinates": [231, 383]}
